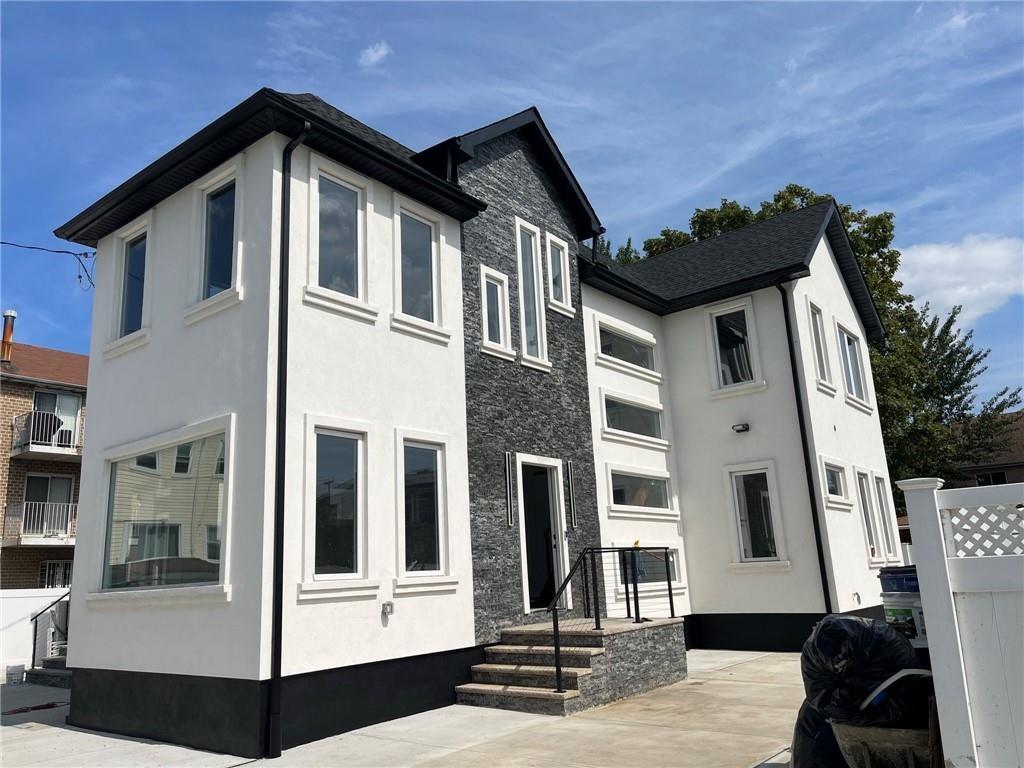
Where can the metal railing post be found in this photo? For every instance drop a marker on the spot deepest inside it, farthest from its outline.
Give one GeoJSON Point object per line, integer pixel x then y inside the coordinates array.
{"type": "Point", "coordinates": [558, 651]}
{"type": "Point", "coordinates": [597, 605]}
{"type": "Point", "coordinates": [626, 577]}
{"type": "Point", "coordinates": [586, 593]}
{"type": "Point", "coordinates": [636, 587]}
{"type": "Point", "coordinates": [668, 581]}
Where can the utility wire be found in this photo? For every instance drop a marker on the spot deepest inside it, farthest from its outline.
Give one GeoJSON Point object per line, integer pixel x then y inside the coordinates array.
{"type": "Point", "coordinates": [83, 268]}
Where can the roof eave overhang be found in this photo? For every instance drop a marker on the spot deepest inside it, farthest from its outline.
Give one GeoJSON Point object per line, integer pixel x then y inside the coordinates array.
{"type": "Point", "coordinates": [47, 382]}
{"type": "Point", "coordinates": [260, 114]}
{"type": "Point", "coordinates": [739, 287]}
{"type": "Point", "coordinates": [607, 281]}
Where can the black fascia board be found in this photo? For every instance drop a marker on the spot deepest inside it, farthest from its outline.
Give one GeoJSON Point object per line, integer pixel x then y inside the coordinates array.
{"type": "Point", "coordinates": [739, 287]}
{"type": "Point", "coordinates": [263, 112]}
{"type": "Point", "coordinates": [604, 279]}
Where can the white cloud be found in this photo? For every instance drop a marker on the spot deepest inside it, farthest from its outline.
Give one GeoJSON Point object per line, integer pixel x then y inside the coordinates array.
{"type": "Point", "coordinates": [960, 20]}
{"type": "Point", "coordinates": [373, 55]}
{"type": "Point", "coordinates": [981, 273]}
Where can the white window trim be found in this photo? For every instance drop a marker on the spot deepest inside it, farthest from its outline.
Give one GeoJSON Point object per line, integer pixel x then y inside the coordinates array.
{"type": "Point", "coordinates": [629, 511]}
{"type": "Point", "coordinates": [564, 307]}
{"type": "Point", "coordinates": [423, 582]}
{"type": "Point", "coordinates": [139, 468]}
{"type": "Point", "coordinates": [503, 349]}
{"type": "Point", "coordinates": [540, 361]}
{"type": "Point", "coordinates": [752, 565]}
{"type": "Point", "coordinates": [631, 438]}
{"type": "Point", "coordinates": [758, 383]}
{"type": "Point", "coordinates": [843, 502]}
{"type": "Point", "coordinates": [823, 379]}
{"type": "Point", "coordinates": [436, 331]}
{"type": "Point", "coordinates": [220, 591]}
{"type": "Point", "coordinates": [886, 518]}
{"type": "Point", "coordinates": [191, 461]}
{"type": "Point", "coordinates": [360, 306]}
{"type": "Point", "coordinates": [208, 541]}
{"type": "Point", "coordinates": [878, 559]}
{"type": "Point", "coordinates": [633, 333]}
{"type": "Point", "coordinates": [563, 549]}
{"type": "Point", "coordinates": [116, 343]}
{"type": "Point", "coordinates": [652, 589]}
{"type": "Point", "coordinates": [861, 404]}
{"type": "Point", "coordinates": [329, 586]}
{"type": "Point", "coordinates": [201, 308]}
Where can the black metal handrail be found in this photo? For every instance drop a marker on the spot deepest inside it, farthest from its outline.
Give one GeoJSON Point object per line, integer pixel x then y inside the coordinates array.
{"type": "Point", "coordinates": [592, 590]}
{"type": "Point", "coordinates": [35, 627]}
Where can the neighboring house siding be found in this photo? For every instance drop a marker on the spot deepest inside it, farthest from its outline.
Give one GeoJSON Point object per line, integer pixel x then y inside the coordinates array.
{"type": "Point", "coordinates": [511, 407]}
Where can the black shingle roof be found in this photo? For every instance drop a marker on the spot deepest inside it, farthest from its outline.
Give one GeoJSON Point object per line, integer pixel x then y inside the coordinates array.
{"type": "Point", "coordinates": [767, 253]}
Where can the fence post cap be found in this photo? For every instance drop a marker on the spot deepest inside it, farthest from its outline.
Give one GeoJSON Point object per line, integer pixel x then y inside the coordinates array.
{"type": "Point", "coordinates": [921, 484]}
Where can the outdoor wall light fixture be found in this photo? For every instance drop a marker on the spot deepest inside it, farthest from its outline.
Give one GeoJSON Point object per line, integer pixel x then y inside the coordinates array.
{"type": "Point", "coordinates": [387, 608]}
{"type": "Point", "coordinates": [739, 429]}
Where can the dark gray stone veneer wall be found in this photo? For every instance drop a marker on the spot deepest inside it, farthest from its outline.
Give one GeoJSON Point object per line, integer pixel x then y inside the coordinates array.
{"type": "Point", "coordinates": [511, 407]}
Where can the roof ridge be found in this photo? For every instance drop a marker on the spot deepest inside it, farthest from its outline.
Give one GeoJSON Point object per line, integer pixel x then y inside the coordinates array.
{"type": "Point", "coordinates": [829, 199]}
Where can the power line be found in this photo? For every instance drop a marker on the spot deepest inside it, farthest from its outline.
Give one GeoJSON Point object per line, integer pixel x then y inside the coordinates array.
{"type": "Point", "coordinates": [83, 269]}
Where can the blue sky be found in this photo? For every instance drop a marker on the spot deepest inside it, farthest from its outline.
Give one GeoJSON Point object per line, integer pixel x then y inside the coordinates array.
{"type": "Point", "coordinates": [659, 108]}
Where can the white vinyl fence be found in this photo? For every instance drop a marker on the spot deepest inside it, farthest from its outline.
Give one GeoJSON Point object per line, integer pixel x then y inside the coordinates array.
{"type": "Point", "coordinates": [969, 551]}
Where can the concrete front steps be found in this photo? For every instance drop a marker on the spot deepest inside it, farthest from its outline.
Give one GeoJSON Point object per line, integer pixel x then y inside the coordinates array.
{"type": "Point", "coordinates": [54, 673]}
{"type": "Point", "coordinates": [598, 666]}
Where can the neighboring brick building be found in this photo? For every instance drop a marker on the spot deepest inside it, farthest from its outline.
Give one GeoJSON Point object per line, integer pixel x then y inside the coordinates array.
{"type": "Point", "coordinates": [42, 415]}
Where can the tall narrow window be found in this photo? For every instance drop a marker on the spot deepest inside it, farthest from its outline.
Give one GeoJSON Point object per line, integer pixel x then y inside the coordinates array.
{"type": "Point", "coordinates": [558, 274]}
{"type": "Point", "coordinates": [337, 504]}
{"type": "Point", "coordinates": [853, 366]}
{"type": "Point", "coordinates": [530, 306]}
{"type": "Point", "coordinates": [422, 507]}
{"type": "Point", "coordinates": [338, 260]}
{"type": "Point", "coordinates": [629, 417]}
{"type": "Point", "coordinates": [626, 349]}
{"type": "Point", "coordinates": [820, 349]}
{"type": "Point", "coordinates": [183, 459]}
{"type": "Point", "coordinates": [418, 287]}
{"type": "Point", "coordinates": [885, 519]}
{"type": "Point", "coordinates": [220, 240]}
{"type": "Point", "coordinates": [213, 543]}
{"type": "Point", "coordinates": [754, 516]}
{"type": "Point", "coordinates": [733, 348]}
{"type": "Point", "coordinates": [868, 515]}
{"type": "Point", "coordinates": [133, 284]}
{"type": "Point", "coordinates": [494, 310]}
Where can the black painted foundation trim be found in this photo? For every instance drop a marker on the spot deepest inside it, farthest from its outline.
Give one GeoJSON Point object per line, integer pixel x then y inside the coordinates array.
{"type": "Point", "coordinates": [229, 715]}
{"type": "Point", "coordinates": [758, 631]}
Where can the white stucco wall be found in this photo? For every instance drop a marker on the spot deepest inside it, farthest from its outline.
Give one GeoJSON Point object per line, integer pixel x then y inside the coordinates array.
{"type": "Point", "coordinates": [381, 380]}
{"type": "Point", "coordinates": [842, 433]}
{"type": "Point", "coordinates": [187, 373]}
{"type": "Point", "coordinates": [623, 528]}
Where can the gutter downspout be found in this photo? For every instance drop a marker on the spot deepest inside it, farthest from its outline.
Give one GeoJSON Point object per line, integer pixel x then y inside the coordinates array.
{"type": "Point", "coordinates": [273, 736]}
{"type": "Point", "coordinates": [798, 392]}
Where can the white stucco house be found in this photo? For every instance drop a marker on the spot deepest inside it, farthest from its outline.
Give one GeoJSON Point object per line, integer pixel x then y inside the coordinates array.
{"type": "Point", "coordinates": [355, 410]}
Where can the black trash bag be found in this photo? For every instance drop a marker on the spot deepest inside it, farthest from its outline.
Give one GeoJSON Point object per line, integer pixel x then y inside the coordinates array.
{"type": "Point", "coordinates": [845, 659]}
{"type": "Point", "coordinates": [814, 743]}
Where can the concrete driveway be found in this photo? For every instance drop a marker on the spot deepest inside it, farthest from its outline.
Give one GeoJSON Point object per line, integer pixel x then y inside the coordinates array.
{"type": "Point", "coordinates": [736, 710]}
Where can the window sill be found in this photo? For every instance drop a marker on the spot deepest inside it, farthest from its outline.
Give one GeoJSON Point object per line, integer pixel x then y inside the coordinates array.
{"type": "Point", "coordinates": [535, 362]}
{"type": "Point", "coordinates": [642, 513]}
{"type": "Point", "coordinates": [629, 438]}
{"type": "Point", "coordinates": [860, 405]}
{"type": "Point", "coordinates": [211, 306]}
{"type": "Point", "coordinates": [332, 301]}
{"type": "Point", "coordinates": [761, 567]}
{"type": "Point", "coordinates": [736, 390]}
{"type": "Point", "coordinates": [606, 361]}
{"type": "Point", "coordinates": [337, 589]}
{"type": "Point", "coordinates": [825, 387]}
{"type": "Point", "coordinates": [424, 585]}
{"type": "Point", "coordinates": [841, 505]}
{"type": "Point", "coordinates": [134, 340]}
{"type": "Point", "coordinates": [413, 326]}
{"type": "Point", "coordinates": [502, 352]}
{"type": "Point", "coordinates": [562, 309]}
{"type": "Point", "coordinates": [207, 593]}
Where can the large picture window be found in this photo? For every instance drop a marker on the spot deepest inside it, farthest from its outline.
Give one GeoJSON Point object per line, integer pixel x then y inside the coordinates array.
{"type": "Point", "coordinates": [337, 503]}
{"type": "Point", "coordinates": [754, 516]}
{"type": "Point", "coordinates": [158, 518]}
{"type": "Point", "coordinates": [423, 503]}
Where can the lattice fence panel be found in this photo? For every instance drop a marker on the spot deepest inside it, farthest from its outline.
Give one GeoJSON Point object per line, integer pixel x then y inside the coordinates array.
{"type": "Point", "coordinates": [990, 530]}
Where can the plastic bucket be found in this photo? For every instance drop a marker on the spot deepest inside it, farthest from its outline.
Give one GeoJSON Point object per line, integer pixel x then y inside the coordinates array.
{"type": "Point", "coordinates": [903, 613]}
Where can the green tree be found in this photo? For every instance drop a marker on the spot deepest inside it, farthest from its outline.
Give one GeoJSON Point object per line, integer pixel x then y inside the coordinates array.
{"type": "Point", "coordinates": [666, 241]}
{"type": "Point", "coordinates": [925, 371]}
{"type": "Point", "coordinates": [603, 248]}
{"type": "Point", "coordinates": [627, 254]}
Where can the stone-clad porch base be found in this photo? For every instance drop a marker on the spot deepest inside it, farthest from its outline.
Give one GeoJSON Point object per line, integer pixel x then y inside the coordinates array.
{"type": "Point", "coordinates": [598, 666]}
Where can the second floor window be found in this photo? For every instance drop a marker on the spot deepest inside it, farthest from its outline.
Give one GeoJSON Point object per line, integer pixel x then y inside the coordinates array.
{"type": "Point", "coordinates": [132, 285]}
{"type": "Point", "coordinates": [531, 293]}
{"type": "Point", "coordinates": [219, 240]}
{"type": "Point", "coordinates": [732, 346]}
{"type": "Point", "coordinates": [820, 348]}
{"type": "Point", "coordinates": [338, 266]}
{"type": "Point", "coordinates": [853, 365]}
{"type": "Point", "coordinates": [418, 268]}
{"type": "Point", "coordinates": [629, 417]}
{"type": "Point", "coordinates": [626, 349]}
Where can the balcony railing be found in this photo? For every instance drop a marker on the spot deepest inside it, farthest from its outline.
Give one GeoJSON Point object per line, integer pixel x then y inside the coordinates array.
{"type": "Point", "coordinates": [44, 430]}
{"type": "Point", "coordinates": [46, 519]}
